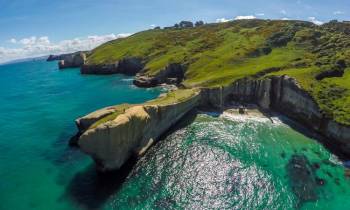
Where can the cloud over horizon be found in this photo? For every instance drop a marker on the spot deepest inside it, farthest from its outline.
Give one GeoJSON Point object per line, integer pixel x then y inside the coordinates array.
{"type": "Point", "coordinates": [223, 20]}
{"type": "Point", "coordinates": [247, 17]}
{"type": "Point", "coordinates": [40, 46]}
{"type": "Point", "coordinates": [315, 21]}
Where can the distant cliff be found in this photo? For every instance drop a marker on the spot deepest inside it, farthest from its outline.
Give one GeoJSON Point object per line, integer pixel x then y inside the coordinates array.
{"type": "Point", "coordinates": [70, 60]}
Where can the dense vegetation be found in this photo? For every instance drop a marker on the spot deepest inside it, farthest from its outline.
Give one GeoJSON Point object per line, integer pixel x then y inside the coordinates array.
{"type": "Point", "coordinates": [218, 54]}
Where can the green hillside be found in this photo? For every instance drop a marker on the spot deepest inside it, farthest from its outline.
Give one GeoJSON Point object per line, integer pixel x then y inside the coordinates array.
{"type": "Point", "coordinates": [218, 54]}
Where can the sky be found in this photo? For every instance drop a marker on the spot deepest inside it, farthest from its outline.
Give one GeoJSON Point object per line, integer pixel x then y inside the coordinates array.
{"type": "Point", "coordinates": [30, 28]}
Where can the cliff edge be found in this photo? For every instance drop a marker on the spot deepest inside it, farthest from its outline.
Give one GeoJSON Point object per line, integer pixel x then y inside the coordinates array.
{"type": "Point", "coordinates": [110, 137]}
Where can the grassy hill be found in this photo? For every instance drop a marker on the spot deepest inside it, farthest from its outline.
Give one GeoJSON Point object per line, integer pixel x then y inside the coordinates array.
{"type": "Point", "coordinates": [218, 54]}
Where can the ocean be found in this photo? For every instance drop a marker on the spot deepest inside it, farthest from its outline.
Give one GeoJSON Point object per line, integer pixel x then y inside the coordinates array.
{"type": "Point", "coordinates": [206, 161]}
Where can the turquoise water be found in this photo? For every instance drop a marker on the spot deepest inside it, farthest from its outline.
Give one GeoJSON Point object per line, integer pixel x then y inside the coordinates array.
{"type": "Point", "coordinates": [38, 106]}
{"type": "Point", "coordinates": [217, 162]}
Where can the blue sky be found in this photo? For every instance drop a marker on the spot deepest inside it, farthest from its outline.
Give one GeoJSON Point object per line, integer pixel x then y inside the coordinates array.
{"type": "Point", "coordinates": [54, 21]}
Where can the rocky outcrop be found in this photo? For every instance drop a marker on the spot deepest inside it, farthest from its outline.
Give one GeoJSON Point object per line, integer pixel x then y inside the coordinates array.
{"type": "Point", "coordinates": [74, 60]}
{"type": "Point", "coordinates": [64, 56]}
{"type": "Point", "coordinates": [173, 74]}
{"type": "Point", "coordinates": [53, 58]}
{"type": "Point", "coordinates": [127, 66]}
{"type": "Point", "coordinates": [132, 132]}
{"type": "Point", "coordinates": [112, 143]}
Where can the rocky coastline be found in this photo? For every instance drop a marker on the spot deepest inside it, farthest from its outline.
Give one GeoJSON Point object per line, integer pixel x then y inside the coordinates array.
{"type": "Point", "coordinates": [70, 60]}
{"type": "Point", "coordinates": [133, 131]}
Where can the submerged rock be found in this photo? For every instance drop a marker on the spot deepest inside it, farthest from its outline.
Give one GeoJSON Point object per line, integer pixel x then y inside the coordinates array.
{"type": "Point", "coordinates": [302, 178]}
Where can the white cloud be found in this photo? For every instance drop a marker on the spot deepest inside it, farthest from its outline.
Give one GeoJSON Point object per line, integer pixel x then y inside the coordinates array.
{"type": "Point", "coordinates": [13, 41]}
{"type": "Point", "coordinates": [260, 14]}
{"type": "Point", "coordinates": [338, 13]}
{"type": "Point", "coordinates": [222, 20]}
{"type": "Point", "coordinates": [315, 21]}
{"type": "Point", "coordinates": [285, 18]}
{"type": "Point", "coordinates": [33, 46]}
{"type": "Point", "coordinates": [248, 17]}
{"type": "Point", "coordinates": [153, 26]}
{"type": "Point", "coordinates": [284, 12]}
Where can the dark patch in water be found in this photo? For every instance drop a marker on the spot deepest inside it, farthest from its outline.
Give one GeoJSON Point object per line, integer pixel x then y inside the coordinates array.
{"type": "Point", "coordinates": [91, 189]}
{"type": "Point", "coordinates": [337, 181]}
{"type": "Point", "coordinates": [33, 205]}
{"type": "Point", "coordinates": [320, 181]}
{"type": "Point", "coordinates": [329, 174]}
{"type": "Point", "coordinates": [316, 166]}
{"type": "Point", "coordinates": [304, 149]}
{"type": "Point", "coordinates": [302, 178]}
{"type": "Point", "coordinates": [283, 155]}
{"type": "Point", "coordinates": [327, 143]}
{"type": "Point", "coordinates": [60, 153]}
{"type": "Point", "coordinates": [317, 153]}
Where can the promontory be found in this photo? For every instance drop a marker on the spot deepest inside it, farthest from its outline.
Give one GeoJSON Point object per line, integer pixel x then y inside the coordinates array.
{"type": "Point", "coordinates": [296, 68]}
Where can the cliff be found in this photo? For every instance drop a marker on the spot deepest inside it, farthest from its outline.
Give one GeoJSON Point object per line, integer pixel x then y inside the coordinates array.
{"type": "Point", "coordinates": [219, 54]}
{"type": "Point", "coordinates": [74, 60]}
{"type": "Point", "coordinates": [245, 60]}
{"type": "Point", "coordinates": [128, 66]}
{"type": "Point", "coordinates": [284, 94]}
{"type": "Point", "coordinates": [114, 139]}
{"type": "Point", "coordinates": [70, 60]}
{"type": "Point", "coordinates": [111, 142]}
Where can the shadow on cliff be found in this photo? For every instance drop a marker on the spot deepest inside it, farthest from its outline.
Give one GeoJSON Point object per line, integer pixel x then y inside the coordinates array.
{"type": "Point", "coordinates": [91, 189]}
{"type": "Point", "coordinates": [184, 122]}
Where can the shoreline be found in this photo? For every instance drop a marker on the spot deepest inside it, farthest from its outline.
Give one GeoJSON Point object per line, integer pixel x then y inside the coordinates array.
{"type": "Point", "coordinates": [260, 98]}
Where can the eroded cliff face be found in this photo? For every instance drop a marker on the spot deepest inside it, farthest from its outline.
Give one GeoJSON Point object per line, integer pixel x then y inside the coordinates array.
{"type": "Point", "coordinates": [112, 143]}
{"type": "Point", "coordinates": [73, 60]}
{"type": "Point", "coordinates": [172, 74]}
{"type": "Point", "coordinates": [127, 66]}
{"type": "Point", "coordinates": [283, 94]}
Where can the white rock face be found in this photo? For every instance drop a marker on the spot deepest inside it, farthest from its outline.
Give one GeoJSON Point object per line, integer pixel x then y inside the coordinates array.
{"type": "Point", "coordinates": [111, 144]}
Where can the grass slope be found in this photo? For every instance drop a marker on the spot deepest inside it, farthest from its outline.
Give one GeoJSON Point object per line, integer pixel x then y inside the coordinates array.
{"type": "Point", "coordinates": [219, 54]}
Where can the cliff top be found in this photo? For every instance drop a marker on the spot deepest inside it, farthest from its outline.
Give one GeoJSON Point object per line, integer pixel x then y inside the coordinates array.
{"type": "Point", "coordinates": [218, 54]}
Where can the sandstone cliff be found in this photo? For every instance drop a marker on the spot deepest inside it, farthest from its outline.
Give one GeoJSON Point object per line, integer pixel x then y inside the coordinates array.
{"type": "Point", "coordinates": [67, 60]}
{"type": "Point", "coordinates": [112, 143]}
{"type": "Point", "coordinates": [283, 94]}
{"type": "Point", "coordinates": [74, 60]}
